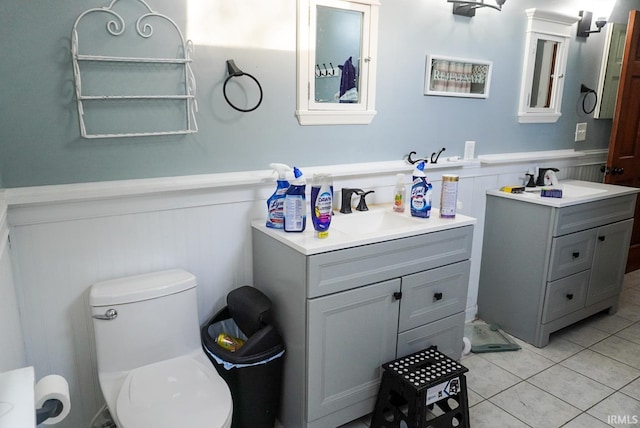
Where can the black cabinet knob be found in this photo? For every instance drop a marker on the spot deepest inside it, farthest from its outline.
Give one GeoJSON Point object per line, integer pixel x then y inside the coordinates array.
{"type": "Point", "coordinates": [437, 296]}
{"type": "Point", "coordinates": [570, 296]}
{"type": "Point", "coordinates": [397, 295]}
{"type": "Point", "coordinates": [576, 254]}
{"type": "Point", "coordinates": [601, 238]}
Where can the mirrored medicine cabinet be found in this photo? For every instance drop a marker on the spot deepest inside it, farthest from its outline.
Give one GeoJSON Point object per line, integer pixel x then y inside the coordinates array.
{"type": "Point", "coordinates": [336, 61]}
{"type": "Point", "coordinates": [610, 69]}
{"type": "Point", "coordinates": [545, 59]}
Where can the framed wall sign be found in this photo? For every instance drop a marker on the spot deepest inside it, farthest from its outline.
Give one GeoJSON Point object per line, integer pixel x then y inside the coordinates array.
{"type": "Point", "coordinates": [457, 77]}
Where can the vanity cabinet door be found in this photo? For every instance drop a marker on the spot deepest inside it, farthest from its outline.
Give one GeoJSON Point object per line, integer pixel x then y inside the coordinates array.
{"type": "Point", "coordinates": [612, 245]}
{"type": "Point", "coordinates": [351, 334]}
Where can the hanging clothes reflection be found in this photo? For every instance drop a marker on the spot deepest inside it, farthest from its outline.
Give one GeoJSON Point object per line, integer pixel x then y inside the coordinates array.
{"type": "Point", "coordinates": [348, 82]}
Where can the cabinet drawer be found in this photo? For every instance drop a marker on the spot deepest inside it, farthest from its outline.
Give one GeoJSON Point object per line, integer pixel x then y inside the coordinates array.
{"type": "Point", "coordinates": [432, 295]}
{"type": "Point", "coordinates": [565, 296]}
{"type": "Point", "coordinates": [354, 267]}
{"type": "Point", "coordinates": [593, 214]}
{"type": "Point", "coordinates": [446, 334]}
{"type": "Point", "coordinates": [571, 254]}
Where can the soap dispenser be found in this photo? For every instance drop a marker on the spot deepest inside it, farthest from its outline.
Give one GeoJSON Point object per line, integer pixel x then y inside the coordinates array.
{"type": "Point", "coordinates": [541, 173]}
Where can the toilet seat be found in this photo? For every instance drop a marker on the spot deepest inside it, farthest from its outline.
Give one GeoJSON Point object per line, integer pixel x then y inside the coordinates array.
{"type": "Point", "coordinates": [181, 392]}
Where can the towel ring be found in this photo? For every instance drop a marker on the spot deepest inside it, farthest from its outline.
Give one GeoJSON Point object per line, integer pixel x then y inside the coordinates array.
{"type": "Point", "coordinates": [234, 71]}
{"type": "Point", "coordinates": [586, 91]}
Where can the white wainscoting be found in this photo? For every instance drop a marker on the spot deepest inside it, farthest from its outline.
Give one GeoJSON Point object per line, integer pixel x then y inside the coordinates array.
{"type": "Point", "coordinates": [12, 355]}
{"type": "Point", "coordinates": [65, 238]}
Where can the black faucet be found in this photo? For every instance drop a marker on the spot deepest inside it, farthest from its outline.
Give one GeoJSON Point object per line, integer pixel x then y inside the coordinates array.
{"type": "Point", "coordinates": [541, 173]}
{"type": "Point", "coordinates": [362, 205]}
{"type": "Point", "coordinates": [345, 208]}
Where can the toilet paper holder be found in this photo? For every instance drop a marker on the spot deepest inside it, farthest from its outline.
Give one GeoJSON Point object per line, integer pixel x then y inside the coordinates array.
{"type": "Point", "coordinates": [50, 409]}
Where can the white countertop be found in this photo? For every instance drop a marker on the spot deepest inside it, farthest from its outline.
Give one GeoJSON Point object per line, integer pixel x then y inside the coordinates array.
{"type": "Point", "coordinates": [307, 243]}
{"type": "Point", "coordinates": [574, 192]}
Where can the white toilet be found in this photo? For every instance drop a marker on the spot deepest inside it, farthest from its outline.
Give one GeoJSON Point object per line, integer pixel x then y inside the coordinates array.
{"type": "Point", "coordinates": [152, 369]}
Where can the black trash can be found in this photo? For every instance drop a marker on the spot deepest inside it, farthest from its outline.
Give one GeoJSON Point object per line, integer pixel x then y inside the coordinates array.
{"type": "Point", "coordinates": [254, 371]}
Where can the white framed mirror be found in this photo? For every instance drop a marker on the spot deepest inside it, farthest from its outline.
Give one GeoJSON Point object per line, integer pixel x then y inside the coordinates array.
{"type": "Point", "coordinates": [336, 61]}
{"type": "Point", "coordinates": [545, 61]}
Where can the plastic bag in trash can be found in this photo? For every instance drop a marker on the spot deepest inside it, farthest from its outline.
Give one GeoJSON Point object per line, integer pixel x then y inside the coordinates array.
{"type": "Point", "coordinates": [230, 327]}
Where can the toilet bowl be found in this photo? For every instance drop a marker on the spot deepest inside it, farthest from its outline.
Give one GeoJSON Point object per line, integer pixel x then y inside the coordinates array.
{"type": "Point", "coordinates": [151, 366]}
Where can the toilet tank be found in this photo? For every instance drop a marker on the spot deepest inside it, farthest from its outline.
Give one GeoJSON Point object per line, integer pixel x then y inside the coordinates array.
{"type": "Point", "coordinates": [156, 319]}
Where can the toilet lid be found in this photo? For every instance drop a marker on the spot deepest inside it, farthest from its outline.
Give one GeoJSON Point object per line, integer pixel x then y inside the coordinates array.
{"type": "Point", "coordinates": [180, 392]}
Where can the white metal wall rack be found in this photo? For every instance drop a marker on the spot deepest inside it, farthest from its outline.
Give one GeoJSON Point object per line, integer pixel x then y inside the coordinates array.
{"type": "Point", "coordinates": [115, 26]}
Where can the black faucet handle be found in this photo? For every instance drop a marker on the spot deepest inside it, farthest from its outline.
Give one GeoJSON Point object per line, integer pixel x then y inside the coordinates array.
{"type": "Point", "coordinates": [362, 205]}
{"type": "Point", "coordinates": [531, 182]}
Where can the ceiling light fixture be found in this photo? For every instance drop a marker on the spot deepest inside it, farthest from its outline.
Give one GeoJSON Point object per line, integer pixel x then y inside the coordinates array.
{"type": "Point", "coordinates": [584, 25]}
{"type": "Point", "coordinates": [468, 8]}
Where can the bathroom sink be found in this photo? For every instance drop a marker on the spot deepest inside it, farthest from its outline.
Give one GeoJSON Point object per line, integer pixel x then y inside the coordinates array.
{"type": "Point", "coordinates": [367, 222]}
{"type": "Point", "coordinates": [572, 191]}
{"type": "Point", "coordinates": [569, 190]}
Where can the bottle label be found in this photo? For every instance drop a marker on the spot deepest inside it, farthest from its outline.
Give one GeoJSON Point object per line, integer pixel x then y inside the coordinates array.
{"type": "Point", "coordinates": [276, 213]}
{"type": "Point", "coordinates": [322, 198]}
{"type": "Point", "coordinates": [398, 202]}
{"type": "Point", "coordinates": [420, 198]}
{"type": "Point", "coordinates": [294, 213]}
{"type": "Point", "coordinates": [275, 207]}
{"type": "Point", "coordinates": [448, 199]}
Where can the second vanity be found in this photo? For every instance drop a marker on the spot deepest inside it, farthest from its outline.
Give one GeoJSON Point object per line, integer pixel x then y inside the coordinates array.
{"type": "Point", "coordinates": [550, 262]}
{"type": "Point", "coordinates": [381, 286]}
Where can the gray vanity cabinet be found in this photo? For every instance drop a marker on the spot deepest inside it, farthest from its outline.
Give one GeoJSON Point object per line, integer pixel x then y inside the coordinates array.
{"type": "Point", "coordinates": [344, 313]}
{"type": "Point", "coordinates": [544, 267]}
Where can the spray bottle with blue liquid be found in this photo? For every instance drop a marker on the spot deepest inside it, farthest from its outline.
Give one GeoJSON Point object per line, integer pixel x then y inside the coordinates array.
{"type": "Point", "coordinates": [295, 209]}
{"type": "Point", "coordinates": [421, 193]}
{"type": "Point", "coordinates": [275, 204]}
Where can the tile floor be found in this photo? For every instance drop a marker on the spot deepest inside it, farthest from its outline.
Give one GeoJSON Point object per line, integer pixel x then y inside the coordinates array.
{"type": "Point", "coordinates": [587, 377]}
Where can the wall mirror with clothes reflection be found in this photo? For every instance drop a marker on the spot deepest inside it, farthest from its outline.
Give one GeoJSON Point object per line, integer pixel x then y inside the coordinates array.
{"type": "Point", "coordinates": [337, 46]}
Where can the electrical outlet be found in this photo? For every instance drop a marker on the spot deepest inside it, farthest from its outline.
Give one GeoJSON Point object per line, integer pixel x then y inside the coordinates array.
{"type": "Point", "coordinates": [581, 131]}
{"type": "Point", "coordinates": [469, 150]}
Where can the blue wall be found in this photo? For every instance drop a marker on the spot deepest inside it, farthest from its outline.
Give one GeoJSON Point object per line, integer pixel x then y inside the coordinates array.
{"type": "Point", "coordinates": [39, 136]}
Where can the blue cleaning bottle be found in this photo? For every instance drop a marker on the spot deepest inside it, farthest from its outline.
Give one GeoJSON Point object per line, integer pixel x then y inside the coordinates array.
{"type": "Point", "coordinates": [421, 193]}
{"type": "Point", "coordinates": [295, 210]}
{"type": "Point", "coordinates": [275, 204]}
{"type": "Point", "coordinates": [321, 203]}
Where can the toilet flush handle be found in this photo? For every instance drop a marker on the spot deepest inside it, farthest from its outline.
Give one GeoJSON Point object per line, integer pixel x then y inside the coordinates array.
{"type": "Point", "coordinates": [108, 316]}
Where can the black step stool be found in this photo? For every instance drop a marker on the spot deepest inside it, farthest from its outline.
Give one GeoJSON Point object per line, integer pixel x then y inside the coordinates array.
{"type": "Point", "coordinates": [424, 389]}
